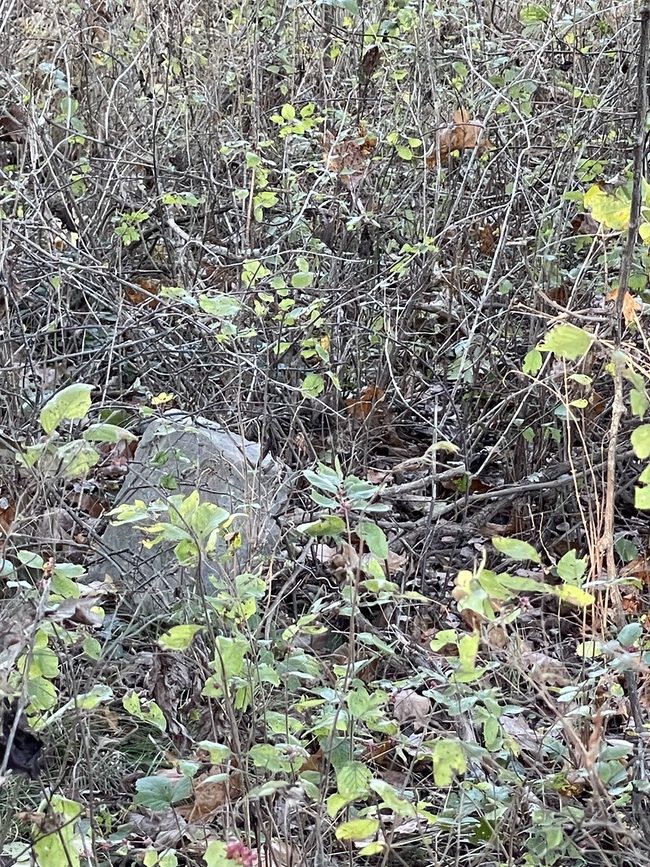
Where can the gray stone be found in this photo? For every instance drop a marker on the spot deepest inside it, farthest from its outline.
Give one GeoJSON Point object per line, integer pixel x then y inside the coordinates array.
{"type": "Point", "coordinates": [179, 454]}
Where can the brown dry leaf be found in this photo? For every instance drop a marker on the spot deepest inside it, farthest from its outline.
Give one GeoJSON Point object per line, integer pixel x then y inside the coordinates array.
{"type": "Point", "coordinates": [209, 796]}
{"type": "Point", "coordinates": [349, 158]}
{"type": "Point", "coordinates": [164, 828]}
{"type": "Point", "coordinates": [584, 224]}
{"type": "Point", "coordinates": [313, 763]}
{"type": "Point", "coordinates": [380, 752]}
{"type": "Point", "coordinates": [361, 407]}
{"type": "Point", "coordinates": [518, 729]}
{"type": "Point", "coordinates": [544, 668]}
{"type": "Point", "coordinates": [409, 706]}
{"type": "Point", "coordinates": [145, 296]}
{"type": "Point", "coordinates": [487, 241]}
{"type": "Point", "coordinates": [395, 562]}
{"type": "Point", "coordinates": [7, 515]}
{"type": "Point", "coordinates": [370, 61]}
{"type": "Point", "coordinates": [276, 853]}
{"type": "Point", "coordinates": [638, 568]}
{"type": "Point", "coordinates": [462, 134]}
{"type": "Point", "coordinates": [630, 305]}
{"type": "Point", "coordinates": [13, 124]}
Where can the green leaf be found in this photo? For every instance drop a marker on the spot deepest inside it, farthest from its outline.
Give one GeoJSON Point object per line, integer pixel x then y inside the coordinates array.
{"type": "Point", "coordinates": [42, 693]}
{"type": "Point", "coordinates": [448, 758]}
{"type": "Point", "coordinates": [302, 280]}
{"type": "Point", "coordinates": [218, 752]}
{"type": "Point", "coordinates": [92, 648]}
{"type": "Point", "coordinates": [312, 385]}
{"type": "Point", "coordinates": [638, 402]}
{"type": "Point", "coordinates": [516, 549]}
{"type": "Point", "coordinates": [331, 525]}
{"type": "Point", "coordinates": [230, 656]}
{"type": "Point", "coordinates": [70, 403]}
{"type": "Point", "coordinates": [574, 595]}
{"type": "Point", "coordinates": [567, 341]}
{"type": "Point", "coordinates": [589, 649]}
{"type": "Point", "coordinates": [642, 497]}
{"type": "Point", "coordinates": [288, 112]}
{"type": "Point", "coordinates": [160, 793]}
{"type": "Point", "coordinates": [572, 568]}
{"type": "Point", "coordinates": [107, 433]}
{"type": "Point", "coordinates": [533, 362]}
{"type": "Point", "coordinates": [374, 848]}
{"type": "Point", "coordinates": [58, 847]}
{"type": "Point", "coordinates": [533, 14]}
{"type": "Point", "coordinates": [179, 637]}
{"type": "Point", "coordinates": [220, 306]}
{"type": "Point", "coordinates": [215, 855]}
{"type": "Point", "coordinates": [395, 802]}
{"type": "Point", "coordinates": [357, 829]}
{"type": "Point", "coordinates": [375, 539]}
{"type": "Point", "coordinates": [467, 651]}
{"type": "Point", "coordinates": [353, 780]}
{"type": "Point", "coordinates": [152, 715]}
{"type": "Point", "coordinates": [612, 209]}
{"type": "Point", "coordinates": [76, 458]}
{"type": "Point", "coordinates": [630, 634]}
{"type": "Point", "coordinates": [640, 440]}
{"type": "Point", "coordinates": [350, 6]}
{"type": "Point", "coordinates": [91, 700]}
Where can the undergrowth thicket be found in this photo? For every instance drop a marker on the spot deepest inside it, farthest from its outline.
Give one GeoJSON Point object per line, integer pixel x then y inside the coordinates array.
{"type": "Point", "coordinates": [404, 247]}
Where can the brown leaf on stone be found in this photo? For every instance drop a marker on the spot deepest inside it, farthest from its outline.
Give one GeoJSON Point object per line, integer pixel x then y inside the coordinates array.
{"type": "Point", "coordinates": [462, 134]}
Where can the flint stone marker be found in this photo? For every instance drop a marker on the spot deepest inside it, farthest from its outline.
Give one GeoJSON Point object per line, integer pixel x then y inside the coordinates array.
{"type": "Point", "coordinates": [191, 454]}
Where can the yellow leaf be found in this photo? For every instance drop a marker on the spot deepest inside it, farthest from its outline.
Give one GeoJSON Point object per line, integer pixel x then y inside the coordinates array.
{"type": "Point", "coordinates": [357, 829]}
{"type": "Point", "coordinates": [574, 595]}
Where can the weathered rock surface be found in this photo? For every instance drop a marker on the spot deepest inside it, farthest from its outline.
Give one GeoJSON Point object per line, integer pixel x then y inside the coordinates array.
{"type": "Point", "coordinates": [178, 455]}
